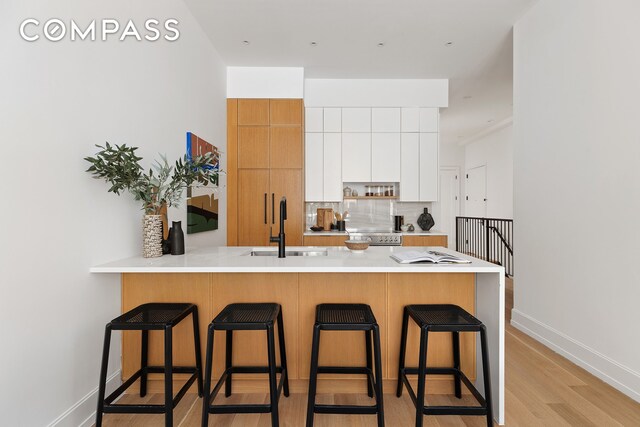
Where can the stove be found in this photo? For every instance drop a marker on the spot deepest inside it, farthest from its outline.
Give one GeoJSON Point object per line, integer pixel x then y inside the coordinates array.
{"type": "Point", "coordinates": [385, 238]}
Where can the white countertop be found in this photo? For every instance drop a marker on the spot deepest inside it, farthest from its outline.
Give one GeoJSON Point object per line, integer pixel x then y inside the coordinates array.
{"type": "Point", "coordinates": [404, 233]}
{"type": "Point", "coordinates": [226, 259]}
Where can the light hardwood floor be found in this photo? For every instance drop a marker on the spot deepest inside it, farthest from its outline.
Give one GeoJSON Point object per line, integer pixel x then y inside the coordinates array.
{"type": "Point", "coordinates": [542, 389]}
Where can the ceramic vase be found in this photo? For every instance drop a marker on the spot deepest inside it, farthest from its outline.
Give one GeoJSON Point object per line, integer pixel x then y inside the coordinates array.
{"type": "Point", "coordinates": [152, 236]}
{"type": "Point", "coordinates": [425, 220]}
{"type": "Point", "coordinates": [176, 238]}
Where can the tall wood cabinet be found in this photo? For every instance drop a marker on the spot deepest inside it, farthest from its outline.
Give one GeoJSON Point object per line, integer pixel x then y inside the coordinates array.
{"type": "Point", "coordinates": [265, 163]}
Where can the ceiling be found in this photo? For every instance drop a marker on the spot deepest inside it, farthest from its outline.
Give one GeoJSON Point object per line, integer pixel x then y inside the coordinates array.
{"type": "Point", "coordinates": [416, 35]}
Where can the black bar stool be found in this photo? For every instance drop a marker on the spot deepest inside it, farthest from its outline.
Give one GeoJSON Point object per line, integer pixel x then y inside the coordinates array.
{"type": "Point", "coordinates": [347, 317]}
{"type": "Point", "coordinates": [145, 318]}
{"type": "Point", "coordinates": [246, 317]}
{"type": "Point", "coordinates": [444, 318]}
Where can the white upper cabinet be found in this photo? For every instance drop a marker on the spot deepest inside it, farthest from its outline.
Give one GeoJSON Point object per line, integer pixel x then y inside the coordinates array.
{"type": "Point", "coordinates": [385, 120]}
{"type": "Point", "coordinates": [429, 167]}
{"type": "Point", "coordinates": [332, 167]}
{"type": "Point", "coordinates": [385, 157]}
{"type": "Point", "coordinates": [410, 120]}
{"type": "Point", "coordinates": [313, 167]}
{"type": "Point", "coordinates": [410, 167]}
{"type": "Point", "coordinates": [356, 157]}
{"type": "Point", "coordinates": [356, 120]}
{"type": "Point", "coordinates": [333, 119]}
{"type": "Point", "coordinates": [313, 120]}
{"type": "Point", "coordinates": [428, 120]}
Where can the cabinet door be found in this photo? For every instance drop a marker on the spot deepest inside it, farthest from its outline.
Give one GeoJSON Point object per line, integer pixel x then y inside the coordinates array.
{"type": "Point", "coordinates": [429, 167]}
{"type": "Point", "coordinates": [429, 120]}
{"type": "Point", "coordinates": [356, 157]}
{"type": "Point", "coordinates": [285, 112]}
{"type": "Point", "coordinates": [356, 120]}
{"type": "Point", "coordinates": [253, 147]}
{"type": "Point", "coordinates": [410, 167]}
{"type": "Point", "coordinates": [253, 204]}
{"type": "Point", "coordinates": [410, 120]}
{"type": "Point", "coordinates": [332, 120]}
{"type": "Point", "coordinates": [313, 167]}
{"type": "Point", "coordinates": [287, 183]}
{"type": "Point", "coordinates": [285, 147]}
{"type": "Point", "coordinates": [332, 168]}
{"type": "Point", "coordinates": [313, 120]}
{"type": "Point", "coordinates": [385, 157]}
{"type": "Point", "coordinates": [385, 120]}
{"type": "Point", "coordinates": [253, 112]}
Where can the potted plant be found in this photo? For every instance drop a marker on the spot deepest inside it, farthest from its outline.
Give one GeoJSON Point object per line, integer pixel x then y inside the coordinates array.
{"type": "Point", "coordinates": [159, 187]}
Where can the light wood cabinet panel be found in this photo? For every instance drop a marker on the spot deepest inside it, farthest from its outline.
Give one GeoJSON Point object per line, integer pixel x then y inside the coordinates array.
{"type": "Point", "coordinates": [356, 157]}
{"type": "Point", "coordinates": [340, 348]}
{"type": "Point", "coordinates": [385, 157]}
{"type": "Point", "coordinates": [253, 112]}
{"type": "Point", "coordinates": [424, 240]}
{"type": "Point", "coordinates": [285, 150]}
{"type": "Point", "coordinates": [324, 240]}
{"type": "Point", "coordinates": [429, 169]}
{"type": "Point", "coordinates": [432, 288]}
{"type": "Point", "coordinates": [253, 147]}
{"type": "Point", "coordinates": [253, 203]}
{"type": "Point", "coordinates": [313, 167]}
{"type": "Point", "coordinates": [288, 183]}
{"type": "Point", "coordinates": [232, 171]}
{"type": "Point", "coordinates": [142, 288]}
{"type": "Point", "coordinates": [410, 167]}
{"type": "Point", "coordinates": [250, 347]}
{"type": "Point", "coordinates": [332, 167]}
{"type": "Point", "coordinates": [285, 112]}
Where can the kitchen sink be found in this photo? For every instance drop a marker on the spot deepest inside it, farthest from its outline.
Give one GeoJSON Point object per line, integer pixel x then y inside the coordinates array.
{"type": "Point", "coordinates": [267, 252]}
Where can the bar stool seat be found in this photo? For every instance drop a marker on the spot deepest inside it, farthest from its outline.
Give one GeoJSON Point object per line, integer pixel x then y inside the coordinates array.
{"type": "Point", "coordinates": [145, 318]}
{"type": "Point", "coordinates": [444, 318]}
{"type": "Point", "coordinates": [347, 317]}
{"type": "Point", "coordinates": [246, 317]}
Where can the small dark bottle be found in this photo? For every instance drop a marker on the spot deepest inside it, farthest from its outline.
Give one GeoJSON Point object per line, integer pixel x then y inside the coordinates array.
{"type": "Point", "coordinates": [177, 238]}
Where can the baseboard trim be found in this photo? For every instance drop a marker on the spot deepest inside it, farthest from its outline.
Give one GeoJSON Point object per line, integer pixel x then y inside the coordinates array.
{"type": "Point", "coordinates": [84, 411]}
{"type": "Point", "coordinates": [608, 370]}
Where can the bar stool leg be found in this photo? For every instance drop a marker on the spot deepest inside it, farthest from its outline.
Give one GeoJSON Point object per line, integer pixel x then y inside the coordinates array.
{"type": "Point", "coordinates": [367, 337]}
{"type": "Point", "coordinates": [313, 375]}
{"type": "Point", "coordinates": [103, 374]}
{"type": "Point", "coordinates": [378, 378]}
{"type": "Point", "coordinates": [403, 350]}
{"type": "Point", "coordinates": [422, 372]}
{"type": "Point", "coordinates": [196, 342]}
{"type": "Point", "coordinates": [228, 362]}
{"type": "Point", "coordinates": [144, 361]}
{"type": "Point", "coordinates": [207, 377]}
{"type": "Point", "coordinates": [273, 385]}
{"type": "Point", "coordinates": [455, 339]}
{"type": "Point", "coordinates": [283, 354]}
{"type": "Point", "coordinates": [168, 377]}
{"type": "Point", "coordinates": [486, 374]}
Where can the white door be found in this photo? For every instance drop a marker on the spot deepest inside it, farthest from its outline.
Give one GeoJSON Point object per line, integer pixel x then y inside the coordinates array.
{"type": "Point", "coordinates": [475, 204]}
{"type": "Point", "coordinates": [448, 206]}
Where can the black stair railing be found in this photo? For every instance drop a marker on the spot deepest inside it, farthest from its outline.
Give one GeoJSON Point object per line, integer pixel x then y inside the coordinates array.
{"type": "Point", "coordinates": [490, 239]}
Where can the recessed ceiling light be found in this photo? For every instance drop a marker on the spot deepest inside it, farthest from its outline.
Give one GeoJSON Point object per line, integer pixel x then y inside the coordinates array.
{"type": "Point", "coordinates": [381, 44]}
{"type": "Point", "coordinates": [314, 43]}
{"type": "Point", "coordinates": [490, 120]}
{"type": "Point", "coordinates": [246, 42]}
{"type": "Point", "coordinates": [448, 44]}
{"type": "Point", "coordinates": [467, 97]}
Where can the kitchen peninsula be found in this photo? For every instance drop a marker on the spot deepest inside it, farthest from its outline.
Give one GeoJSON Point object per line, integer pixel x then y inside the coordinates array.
{"type": "Point", "coordinates": [216, 276]}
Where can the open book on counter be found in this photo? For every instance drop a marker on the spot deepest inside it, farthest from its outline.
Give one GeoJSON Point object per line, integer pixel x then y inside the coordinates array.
{"type": "Point", "coordinates": [411, 257]}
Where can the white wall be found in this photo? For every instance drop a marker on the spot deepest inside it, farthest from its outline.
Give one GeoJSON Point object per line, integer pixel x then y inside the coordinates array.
{"type": "Point", "coordinates": [58, 100]}
{"type": "Point", "coordinates": [495, 151]}
{"type": "Point", "coordinates": [265, 82]}
{"type": "Point", "coordinates": [577, 183]}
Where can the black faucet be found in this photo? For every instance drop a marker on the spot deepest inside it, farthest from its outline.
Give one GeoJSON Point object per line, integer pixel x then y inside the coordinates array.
{"type": "Point", "coordinates": [280, 238]}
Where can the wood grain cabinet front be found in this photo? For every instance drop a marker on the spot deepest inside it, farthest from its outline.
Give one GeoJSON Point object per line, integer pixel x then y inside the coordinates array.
{"type": "Point", "coordinates": [424, 240]}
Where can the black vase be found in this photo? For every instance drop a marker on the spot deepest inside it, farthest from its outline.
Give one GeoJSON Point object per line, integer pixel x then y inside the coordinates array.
{"type": "Point", "coordinates": [176, 237]}
{"type": "Point", "coordinates": [166, 243]}
{"type": "Point", "coordinates": [425, 220]}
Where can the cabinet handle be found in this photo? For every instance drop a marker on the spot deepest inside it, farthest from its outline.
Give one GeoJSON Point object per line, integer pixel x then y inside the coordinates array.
{"type": "Point", "coordinates": [265, 208]}
{"type": "Point", "coordinates": [273, 209]}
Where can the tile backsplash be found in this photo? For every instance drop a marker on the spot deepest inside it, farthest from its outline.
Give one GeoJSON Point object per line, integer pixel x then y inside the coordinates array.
{"type": "Point", "coordinates": [370, 213]}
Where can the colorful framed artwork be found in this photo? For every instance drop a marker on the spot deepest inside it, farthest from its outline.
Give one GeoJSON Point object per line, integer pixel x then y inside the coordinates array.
{"type": "Point", "coordinates": [202, 206]}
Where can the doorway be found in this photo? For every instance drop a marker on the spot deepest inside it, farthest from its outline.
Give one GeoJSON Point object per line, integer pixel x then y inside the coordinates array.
{"type": "Point", "coordinates": [449, 202]}
{"type": "Point", "coordinates": [476, 189]}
